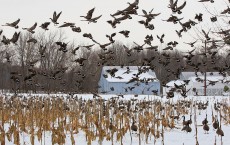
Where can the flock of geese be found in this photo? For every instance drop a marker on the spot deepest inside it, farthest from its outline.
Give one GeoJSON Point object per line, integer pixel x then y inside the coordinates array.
{"type": "Point", "coordinates": [114, 108]}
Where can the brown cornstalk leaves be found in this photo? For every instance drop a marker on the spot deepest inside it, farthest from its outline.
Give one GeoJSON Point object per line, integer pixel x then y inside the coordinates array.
{"type": "Point", "coordinates": [98, 119]}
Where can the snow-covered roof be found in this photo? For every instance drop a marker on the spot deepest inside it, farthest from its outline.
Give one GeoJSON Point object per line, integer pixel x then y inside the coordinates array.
{"type": "Point", "coordinates": [177, 82]}
{"type": "Point", "coordinates": [127, 76]}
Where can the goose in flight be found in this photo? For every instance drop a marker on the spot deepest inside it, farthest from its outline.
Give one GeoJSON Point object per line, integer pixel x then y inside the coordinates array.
{"type": "Point", "coordinates": [76, 29]}
{"type": "Point", "coordinates": [55, 17]}
{"type": "Point", "coordinates": [173, 19]}
{"type": "Point", "coordinates": [161, 38]}
{"type": "Point", "coordinates": [225, 11]}
{"type": "Point", "coordinates": [212, 1]}
{"type": "Point", "coordinates": [89, 16]}
{"type": "Point", "coordinates": [13, 24]}
{"type": "Point", "coordinates": [111, 37]}
{"type": "Point", "coordinates": [15, 37]}
{"type": "Point", "coordinates": [191, 43]}
{"type": "Point", "coordinates": [88, 47]}
{"type": "Point", "coordinates": [206, 35]}
{"type": "Point", "coordinates": [175, 8]}
{"type": "Point", "coordinates": [131, 7]}
{"type": "Point", "coordinates": [45, 25]}
{"type": "Point", "coordinates": [118, 20]}
{"type": "Point", "coordinates": [32, 40]}
{"type": "Point", "coordinates": [103, 46]}
{"type": "Point", "coordinates": [127, 50]}
{"type": "Point", "coordinates": [125, 33]}
{"type": "Point", "coordinates": [138, 47]}
{"type": "Point", "coordinates": [5, 40]}
{"type": "Point", "coordinates": [67, 24]}
{"type": "Point", "coordinates": [199, 17]}
{"type": "Point", "coordinates": [31, 29]}
{"type": "Point", "coordinates": [149, 16]}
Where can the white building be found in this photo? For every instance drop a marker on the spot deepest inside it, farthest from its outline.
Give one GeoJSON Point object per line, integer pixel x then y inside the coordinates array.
{"type": "Point", "coordinates": [120, 82]}
{"type": "Point", "coordinates": [215, 83]}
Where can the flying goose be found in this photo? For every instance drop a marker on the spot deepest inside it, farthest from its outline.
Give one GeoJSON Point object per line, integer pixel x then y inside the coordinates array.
{"type": "Point", "coordinates": [118, 20]}
{"type": "Point", "coordinates": [148, 39]}
{"type": "Point", "coordinates": [227, 10]}
{"type": "Point", "coordinates": [213, 19]}
{"type": "Point", "coordinates": [103, 46]}
{"type": "Point", "coordinates": [212, 1]}
{"type": "Point", "coordinates": [89, 15]}
{"type": "Point", "coordinates": [138, 47]}
{"type": "Point", "coordinates": [74, 50]}
{"type": "Point", "coordinates": [31, 29]}
{"type": "Point", "coordinates": [149, 16]}
{"type": "Point", "coordinates": [199, 17]}
{"type": "Point", "coordinates": [173, 43]}
{"type": "Point", "coordinates": [55, 17]}
{"type": "Point", "coordinates": [67, 24]}
{"type": "Point", "coordinates": [45, 25]}
{"type": "Point", "coordinates": [206, 35]}
{"type": "Point", "coordinates": [179, 32]}
{"type": "Point", "coordinates": [125, 33]}
{"type": "Point", "coordinates": [191, 43]}
{"type": "Point", "coordinates": [178, 9]}
{"type": "Point", "coordinates": [13, 24]}
{"type": "Point", "coordinates": [5, 40]}
{"type": "Point", "coordinates": [63, 46]}
{"type": "Point", "coordinates": [76, 29]}
{"type": "Point", "coordinates": [172, 5]}
{"type": "Point", "coordinates": [161, 38]}
{"type": "Point", "coordinates": [131, 6]}
{"type": "Point", "coordinates": [127, 50]}
{"type": "Point", "coordinates": [88, 35]}
{"type": "Point", "coordinates": [88, 47]}
{"type": "Point", "coordinates": [15, 37]}
{"type": "Point", "coordinates": [173, 19]}
{"type": "Point", "coordinates": [111, 37]}
{"type": "Point", "coordinates": [32, 40]}
{"type": "Point", "coordinates": [147, 24]}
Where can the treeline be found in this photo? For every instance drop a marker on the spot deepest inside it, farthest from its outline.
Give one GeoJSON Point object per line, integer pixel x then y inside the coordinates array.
{"type": "Point", "coordinates": [44, 66]}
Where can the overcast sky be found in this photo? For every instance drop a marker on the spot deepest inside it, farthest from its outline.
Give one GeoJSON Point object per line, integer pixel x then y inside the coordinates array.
{"type": "Point", "coordinates": [31, 11]}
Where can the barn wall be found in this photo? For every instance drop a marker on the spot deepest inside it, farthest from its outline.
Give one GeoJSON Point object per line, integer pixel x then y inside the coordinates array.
{"type": "Point", "coordinates": [119, 88]}
{"type": "Point", "coordinates": [216, 90]}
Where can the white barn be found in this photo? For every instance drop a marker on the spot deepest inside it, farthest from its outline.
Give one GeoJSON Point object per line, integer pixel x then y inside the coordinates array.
{"type": "Point", "coordinates": [120, 82]}
{"type": "Point", "coordinates": [214, 80]}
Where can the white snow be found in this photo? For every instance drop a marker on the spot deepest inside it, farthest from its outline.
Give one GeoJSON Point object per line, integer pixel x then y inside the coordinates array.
{"type": "Point", "coordinates": [171, 136]}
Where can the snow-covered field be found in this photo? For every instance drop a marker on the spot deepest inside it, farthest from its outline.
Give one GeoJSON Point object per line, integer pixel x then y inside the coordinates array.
{"type": "Point", "coordinates": [174, 136]}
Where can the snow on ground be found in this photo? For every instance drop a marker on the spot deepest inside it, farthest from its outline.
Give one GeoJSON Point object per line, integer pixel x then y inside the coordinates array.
{"type": "Point", "coordinates": [171, 136]}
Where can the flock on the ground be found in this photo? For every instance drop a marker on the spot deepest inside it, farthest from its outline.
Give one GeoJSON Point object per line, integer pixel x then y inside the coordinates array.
{"type": "Point", "coordinates": [114, 119]}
